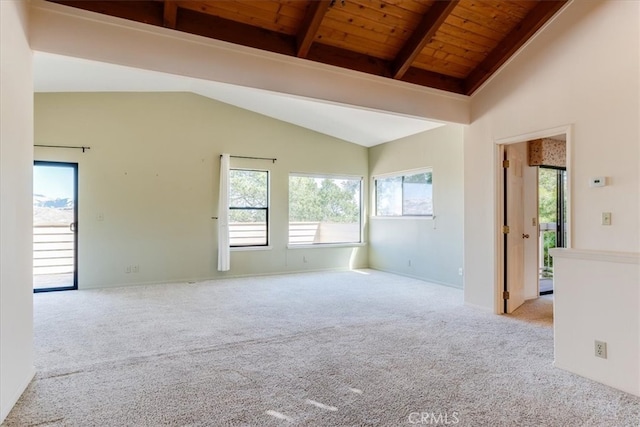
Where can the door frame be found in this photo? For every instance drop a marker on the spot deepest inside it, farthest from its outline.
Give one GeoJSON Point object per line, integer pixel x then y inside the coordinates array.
{"type": "Point", "coordinates": [499, 144]}
{"type": "Point", "coordinates": [74, 166]}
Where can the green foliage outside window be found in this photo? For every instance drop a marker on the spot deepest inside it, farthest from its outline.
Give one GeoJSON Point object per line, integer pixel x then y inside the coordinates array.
{"type": "Point", "coordinates": [324, 199]}
{"type": "Point", "coordinates": [248, 189]}
{"type": "Point", "coordinates": [547, 212]}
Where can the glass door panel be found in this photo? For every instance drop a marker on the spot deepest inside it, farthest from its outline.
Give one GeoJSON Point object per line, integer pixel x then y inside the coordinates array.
{"type": "Point", "coordinates": [55, 237]}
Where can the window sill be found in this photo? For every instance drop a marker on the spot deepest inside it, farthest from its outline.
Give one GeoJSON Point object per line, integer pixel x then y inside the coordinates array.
{"type": "Point", "coordinates": [326, 245]}
{"type": "Point", "coordinates": [419, 218]}
{"type": "Point", "coordinates": [250, 248]}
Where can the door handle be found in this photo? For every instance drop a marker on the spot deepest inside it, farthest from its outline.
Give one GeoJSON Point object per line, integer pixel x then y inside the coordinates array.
{"type": "Point", "coordinates": [525, 236]}
{"type": "Point", "coordinates": [72, 227]}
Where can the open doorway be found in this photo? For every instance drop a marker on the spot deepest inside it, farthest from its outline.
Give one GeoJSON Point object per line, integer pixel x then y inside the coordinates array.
{"type": "Point", "coordinates": [55, 218]}
{"type": "Point", "coordinates": [552, 213]}
{"type": "Point", "coordinates": [533, 215]}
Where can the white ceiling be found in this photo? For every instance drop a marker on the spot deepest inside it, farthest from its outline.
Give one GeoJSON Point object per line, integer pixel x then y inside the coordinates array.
{"type": "Point", "coordinates": [366, 127]}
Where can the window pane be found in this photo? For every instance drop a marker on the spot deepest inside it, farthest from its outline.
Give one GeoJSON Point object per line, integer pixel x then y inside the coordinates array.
{"type": "Point", "coordinates": [417, 194]}
{"type": "Point", "coordinates": [248, 207]}
{"type": "Point", "coordinates": [324, 210]}
{"type": "Point", "coordinates": [248, 189]}
{"type": "Point", "coordinates": [389, 196]}
{"type": "Point", "coordinates": [247, 227]}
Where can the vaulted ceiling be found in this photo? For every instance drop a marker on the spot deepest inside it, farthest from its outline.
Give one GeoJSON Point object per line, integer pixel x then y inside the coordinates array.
{"type": "Point", "coordinates": [451, 45]}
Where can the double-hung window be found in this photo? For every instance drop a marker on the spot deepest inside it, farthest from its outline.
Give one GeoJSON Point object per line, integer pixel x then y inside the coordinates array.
{"type": "Point", "coordinates": [324, 209]}
{"type": "Point", "coordinates": [408, 194]}
{"type": "Point", "coordinates": [248, 207]}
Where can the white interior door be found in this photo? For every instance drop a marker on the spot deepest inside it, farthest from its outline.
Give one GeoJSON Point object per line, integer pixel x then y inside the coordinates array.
{"type": "Point", "coordinates": [514, 247]}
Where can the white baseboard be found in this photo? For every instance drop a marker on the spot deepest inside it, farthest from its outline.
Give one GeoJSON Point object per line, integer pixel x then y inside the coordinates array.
{"type": "Point", "coordinates": [412, 276]}
{"type": "Point", "coordinates": [569, 368]}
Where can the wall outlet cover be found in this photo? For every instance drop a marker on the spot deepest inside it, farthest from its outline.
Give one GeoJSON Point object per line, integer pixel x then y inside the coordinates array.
{"type": "Point", "coordinates": [600, 348]}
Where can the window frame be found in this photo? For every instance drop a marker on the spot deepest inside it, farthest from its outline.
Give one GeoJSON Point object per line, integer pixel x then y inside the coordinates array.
{"type": "Point", "coordinates": [361, 213]}
{"type": "Point", "coordinates": [403, 175]}
{"type": "Point", "coordinates": [266, 209]}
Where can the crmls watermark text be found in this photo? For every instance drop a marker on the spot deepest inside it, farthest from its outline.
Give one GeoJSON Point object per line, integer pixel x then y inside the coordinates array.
{"type": "Point", "coordinates": [434, 418]}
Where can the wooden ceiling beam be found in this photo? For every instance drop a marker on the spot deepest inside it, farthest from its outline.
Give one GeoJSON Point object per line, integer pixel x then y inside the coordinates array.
{"type": "Point", "coordinates": [351, 60]}
{"type": "Point", "coordinates": [148, 12]}
{"type": "Point", "coordinates": [310, 25]}
{"type": "Point", "coordinates": [218, 28]}
{"type": "Point", "coordinates": [422, 35]}
{"type": "Point", "coordinates": [170, 13]}
{"type": "Point", "coordinates": [511, 43]}
{"type": "Point", "coordinates": [367, 64]}
{"type": "Point", "coordinates": [165, 13]}
{"type": "Point", "coordinates": [433, 80]}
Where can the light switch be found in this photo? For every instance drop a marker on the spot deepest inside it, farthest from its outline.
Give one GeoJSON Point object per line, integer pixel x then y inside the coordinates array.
{"type": "Point", "coordinates": [598, 181]}
{"type": "Point", "coordinates": [606, 218]}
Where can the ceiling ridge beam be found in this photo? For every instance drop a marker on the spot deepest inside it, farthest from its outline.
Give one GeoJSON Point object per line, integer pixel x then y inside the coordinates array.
{"type": "Point", "coordinates": [422, 35]}
{"type": "Point", "coordinates": [170, 15]}
{"type": "Point", "coordinates": [523, 32]}
{"type": "Point", "coordinates": [310, 25]}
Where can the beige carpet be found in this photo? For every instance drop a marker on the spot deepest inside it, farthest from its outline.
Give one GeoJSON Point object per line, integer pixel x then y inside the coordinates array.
{"type": "Point", "coordinates": [539, 311]}
{"type": "Point", "coordinates": [321, 349]}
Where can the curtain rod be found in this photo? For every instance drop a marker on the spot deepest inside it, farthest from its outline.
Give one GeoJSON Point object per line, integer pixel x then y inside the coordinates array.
{"type": "Point", "coordinates": [83, 148]}
{"type": "Point", "coordinates": [253, 158]}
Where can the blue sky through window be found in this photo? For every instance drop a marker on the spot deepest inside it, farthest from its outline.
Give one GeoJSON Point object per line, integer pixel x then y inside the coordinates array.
{"type": "Point", "coordinates": [55, 182]}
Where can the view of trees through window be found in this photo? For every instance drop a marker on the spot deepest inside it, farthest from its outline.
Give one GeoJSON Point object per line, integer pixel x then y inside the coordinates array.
{"type": "Point", "coordinates": [248, 207]}
{"type": "Point", "coordinates": [405, 195]}
{"type": "Point", "coordinates": [548, 212]}
{"type": "Point", "coordinates": [324, 209]}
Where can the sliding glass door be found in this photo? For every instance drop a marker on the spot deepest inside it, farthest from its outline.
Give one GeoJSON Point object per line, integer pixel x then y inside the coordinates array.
{"type": "Point", "coordinates": [55, 232]}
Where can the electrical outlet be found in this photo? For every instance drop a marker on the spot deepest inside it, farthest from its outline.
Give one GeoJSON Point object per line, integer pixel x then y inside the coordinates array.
{"type": "Point", "coordinates": [460, 271]}
{"type": "Point", "coordinates": [409, 263]}
{"type": "Point", "coordinates": [600, 349]}
{"type": "Point", "coordinates": [135, 268]}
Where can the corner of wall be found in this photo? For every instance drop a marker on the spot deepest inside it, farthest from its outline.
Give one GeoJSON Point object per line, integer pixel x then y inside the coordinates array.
{"type": "Point", "coordinates": [16, 145]}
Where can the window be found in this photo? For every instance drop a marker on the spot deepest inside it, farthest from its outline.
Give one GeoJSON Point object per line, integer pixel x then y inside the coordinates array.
{"type": "Point", "coordinates": [324, 210]}
{"type": "Point", "coordinates": [248, 207]}
{"type": "Point", "coordinates": [405, 195]}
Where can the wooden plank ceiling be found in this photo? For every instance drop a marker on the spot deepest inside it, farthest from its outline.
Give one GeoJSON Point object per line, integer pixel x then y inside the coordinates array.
{"type": "Point", "coordinates": [451, 45]}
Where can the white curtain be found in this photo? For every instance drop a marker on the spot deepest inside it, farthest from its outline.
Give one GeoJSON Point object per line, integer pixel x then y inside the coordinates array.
{"type": "Point", "coordinates": [224, 255]}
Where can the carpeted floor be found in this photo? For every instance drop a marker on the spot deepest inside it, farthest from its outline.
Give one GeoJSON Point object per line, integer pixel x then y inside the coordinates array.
{"type": "Point", "coordinates": [321, 349]}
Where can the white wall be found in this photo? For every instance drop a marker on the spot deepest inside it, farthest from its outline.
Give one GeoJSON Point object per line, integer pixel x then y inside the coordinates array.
{"type": "Point", "coordinates": [16, 160]}
{"type": "Point", "coordinates": [434, 247]}
{"type": "Point", "coordinates": [583, 72]}
{"type": "Point", "coordinates": [596, 297]}
{"type": "Point", "coordinates": [152, 173]}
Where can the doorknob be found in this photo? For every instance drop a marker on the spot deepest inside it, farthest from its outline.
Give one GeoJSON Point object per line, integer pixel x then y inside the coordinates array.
{"type": "Point", "coordinates": [525, 236]}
